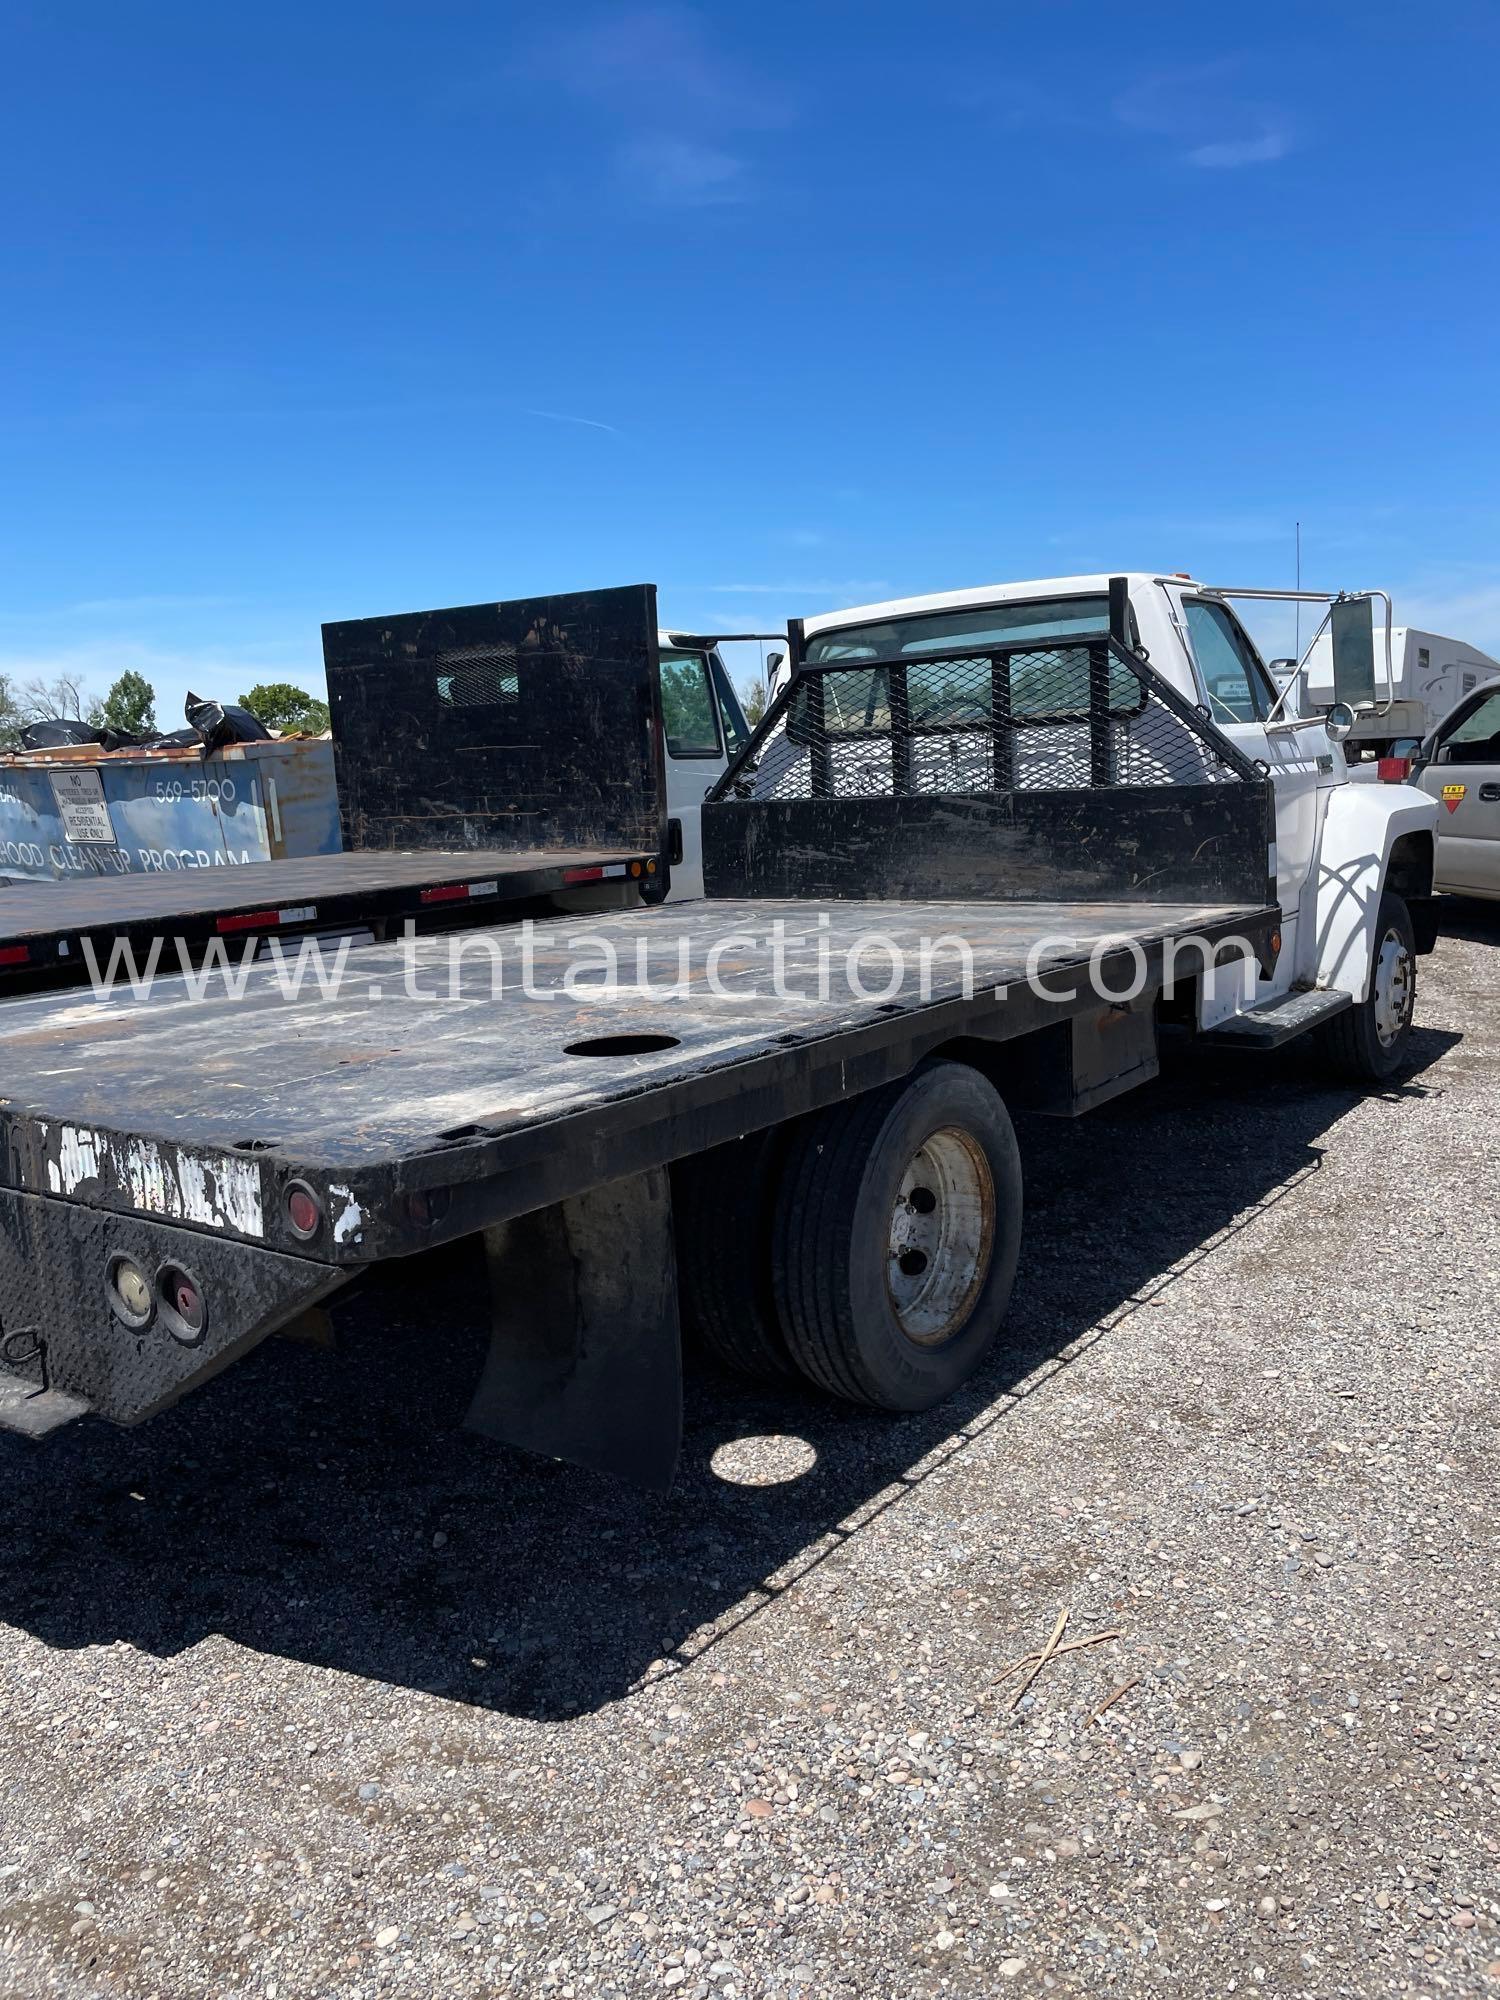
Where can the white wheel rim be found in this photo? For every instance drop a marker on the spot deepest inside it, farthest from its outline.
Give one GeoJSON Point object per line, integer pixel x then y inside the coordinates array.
{"type": "Point", "coordinates": [1394, 988]}
{"type": "Point", "coordinates": [942, 1236]}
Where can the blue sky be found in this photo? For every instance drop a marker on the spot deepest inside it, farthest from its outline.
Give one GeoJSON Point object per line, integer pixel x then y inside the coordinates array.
{"type": "Point", "coordinates": [320, 311]}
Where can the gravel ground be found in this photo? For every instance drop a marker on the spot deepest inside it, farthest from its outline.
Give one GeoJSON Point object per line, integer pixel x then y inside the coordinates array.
{"type": "Point", "coordinates": [303, 1693]}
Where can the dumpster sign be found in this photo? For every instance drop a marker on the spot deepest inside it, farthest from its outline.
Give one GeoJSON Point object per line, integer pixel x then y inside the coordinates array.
{"type": "Point", "coordinates": [81, 806]}
{"type": "Point", "coordinates": [144, 812]}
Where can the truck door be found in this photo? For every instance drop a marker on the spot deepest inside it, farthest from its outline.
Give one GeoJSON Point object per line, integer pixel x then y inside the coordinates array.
{"type": "Point", "coordinates": [704, 726]}
{"type": "Point", "coordinates": [1240, 695]}
{"type": "Point", "coordinates": [1464, 777]}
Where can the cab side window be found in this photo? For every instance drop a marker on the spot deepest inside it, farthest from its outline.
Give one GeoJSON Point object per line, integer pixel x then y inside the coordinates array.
{"type": "Point", "coordinates": [1476, 740]}
{"type": "Point", "coordinates": [688, 710]}
{"type": "Point", "coordinates": [1235, 681]}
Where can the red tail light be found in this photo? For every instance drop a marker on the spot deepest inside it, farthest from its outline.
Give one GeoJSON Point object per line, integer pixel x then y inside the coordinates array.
{"type": "Point", "coordinates": [1393, 770]}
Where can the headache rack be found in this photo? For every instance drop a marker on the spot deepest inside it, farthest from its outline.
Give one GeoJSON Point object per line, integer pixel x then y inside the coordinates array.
{"type": "Point", "coordinates": [1061, 767]}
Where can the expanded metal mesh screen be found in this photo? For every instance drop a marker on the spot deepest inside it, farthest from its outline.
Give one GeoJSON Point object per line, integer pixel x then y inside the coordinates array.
{"type": "Point", "coordinates": [1064, 717]}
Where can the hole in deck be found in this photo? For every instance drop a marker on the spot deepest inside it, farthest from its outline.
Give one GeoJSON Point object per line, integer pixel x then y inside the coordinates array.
{"type": "Point", "coordinates": [621, 1045]}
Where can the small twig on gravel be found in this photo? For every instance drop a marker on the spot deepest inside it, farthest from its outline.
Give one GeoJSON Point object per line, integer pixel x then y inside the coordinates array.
{"type": "Point", "coordinates": [1042, 1658]}
{"type": "Point", "coordinates": [1067, 1646]}
{"type": "Point", "coordinates": [1110, 1700]}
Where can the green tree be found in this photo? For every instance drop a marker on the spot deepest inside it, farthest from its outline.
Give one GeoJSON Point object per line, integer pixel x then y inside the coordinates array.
{"type": "Point", "coordinates": [11, 718]}
{"type": "Point", "coordinates": [281, 706]}
{"type": "Point", "coordinates": [753, 700]}
{"type": "Point", "coordinates": [130, 706]}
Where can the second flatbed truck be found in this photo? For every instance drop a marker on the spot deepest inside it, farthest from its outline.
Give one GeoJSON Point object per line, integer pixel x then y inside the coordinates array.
{"type": "Point", "coordinates": [930, 895]}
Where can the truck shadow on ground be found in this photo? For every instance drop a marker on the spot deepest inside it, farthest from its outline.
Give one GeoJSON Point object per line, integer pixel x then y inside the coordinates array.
{"type": "Point", "coordinates": [324, 1507]}
{"type": "Point", "coordinates": [1474, 919]}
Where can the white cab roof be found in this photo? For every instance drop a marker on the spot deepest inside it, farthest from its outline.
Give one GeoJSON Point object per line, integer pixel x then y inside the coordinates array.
{"type": "Point", "coordinates": [989, 593]}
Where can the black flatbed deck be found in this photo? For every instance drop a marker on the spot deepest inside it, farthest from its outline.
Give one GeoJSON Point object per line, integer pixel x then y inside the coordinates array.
{"type": "Point", "coordinates": [44, 927]}
{"type": "Point", "coordinates": [417, 1118]}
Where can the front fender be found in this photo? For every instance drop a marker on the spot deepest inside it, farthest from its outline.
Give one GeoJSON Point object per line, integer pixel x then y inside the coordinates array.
{"type": "Point", "coordinates": [1361, 827]}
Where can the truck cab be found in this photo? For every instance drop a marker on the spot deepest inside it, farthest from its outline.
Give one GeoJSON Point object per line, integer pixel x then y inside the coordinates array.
{"type": "Point", "coordinates": [1344, 855]}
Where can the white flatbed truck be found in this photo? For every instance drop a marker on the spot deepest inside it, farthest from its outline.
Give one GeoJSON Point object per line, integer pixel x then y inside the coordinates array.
{"type": "Point", "coordinates": [1031, 804]}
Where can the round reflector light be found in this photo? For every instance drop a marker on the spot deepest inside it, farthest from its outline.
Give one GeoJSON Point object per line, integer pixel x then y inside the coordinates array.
{"type": "Point", "coordinates": [130, 1292]}
{"type": "Point", "coordinates": [184, 1310]}
{"type": "Point", "coordinates": [303, 1210]}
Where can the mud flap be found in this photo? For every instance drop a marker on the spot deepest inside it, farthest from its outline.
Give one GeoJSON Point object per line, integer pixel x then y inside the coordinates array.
{"type": "Point", "coordinates": [585, 1360]}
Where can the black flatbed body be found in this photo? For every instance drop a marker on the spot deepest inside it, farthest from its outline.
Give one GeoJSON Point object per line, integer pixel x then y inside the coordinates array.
{"type": "Point", "coordinates": [52, 932]}
{"type": "Point", "coordinates": [421, 1080]}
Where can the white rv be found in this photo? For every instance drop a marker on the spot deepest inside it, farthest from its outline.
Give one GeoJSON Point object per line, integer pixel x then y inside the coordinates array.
{"type": "Point", "coordinates": [1428, 675]}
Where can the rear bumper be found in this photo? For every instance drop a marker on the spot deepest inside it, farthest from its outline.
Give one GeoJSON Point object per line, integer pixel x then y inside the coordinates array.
{"type": "Point", "coordinates": [64, 1348]}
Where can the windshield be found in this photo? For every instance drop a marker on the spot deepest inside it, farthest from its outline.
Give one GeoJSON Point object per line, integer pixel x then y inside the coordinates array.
{"type": "Point", "coordinates": [976, 625]}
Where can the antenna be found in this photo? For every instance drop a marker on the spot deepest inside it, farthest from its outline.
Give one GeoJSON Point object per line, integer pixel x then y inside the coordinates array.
{"type": "Point", "coordinates": [1298, 527]}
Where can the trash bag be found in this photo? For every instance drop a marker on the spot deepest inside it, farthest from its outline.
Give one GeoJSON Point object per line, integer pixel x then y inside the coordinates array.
{"type": "Point", "coordinates": [219, 722]}
{"type": "Point", "coordinates": [57, 732]}
{"type": "Point", "coordinates": [172, 739]}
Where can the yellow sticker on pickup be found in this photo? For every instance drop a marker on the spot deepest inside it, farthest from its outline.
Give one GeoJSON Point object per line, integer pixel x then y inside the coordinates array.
{"type": "Point", "coordinates": [1453, 796]}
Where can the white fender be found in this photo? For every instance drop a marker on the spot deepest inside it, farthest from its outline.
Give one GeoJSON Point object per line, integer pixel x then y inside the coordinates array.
{"type": "Point", "coordinates": [1361, 825]}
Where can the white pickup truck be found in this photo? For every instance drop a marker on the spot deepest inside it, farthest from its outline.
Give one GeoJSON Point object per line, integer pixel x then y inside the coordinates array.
{"type": "Point", "coordinates": [1353, 863]}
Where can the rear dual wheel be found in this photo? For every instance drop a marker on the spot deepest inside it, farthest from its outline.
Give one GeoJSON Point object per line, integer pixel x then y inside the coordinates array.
{"type": "Point", "coordinates": [872, 1248]}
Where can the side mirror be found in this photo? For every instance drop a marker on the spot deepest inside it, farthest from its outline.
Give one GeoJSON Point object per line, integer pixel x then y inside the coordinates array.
{"type": "Point", "coordinates": [1339, 721]}
{"type": "Point", "coordinates": [1352, 630]}
{"type": "Point", "coordinates": [774, 663]}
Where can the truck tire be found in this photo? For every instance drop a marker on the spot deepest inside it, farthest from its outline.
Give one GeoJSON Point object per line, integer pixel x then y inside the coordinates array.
{"type": "Point", "coordinates": [895, 1238]}
{"type": "Point", "coordinates": [721, 1208]}
{"type": "Point", "coordinates": [1368, 1041]}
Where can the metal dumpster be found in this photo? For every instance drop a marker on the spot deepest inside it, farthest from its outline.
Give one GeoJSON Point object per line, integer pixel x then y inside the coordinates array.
{"type": "Point", "coordinates": [86, 811]}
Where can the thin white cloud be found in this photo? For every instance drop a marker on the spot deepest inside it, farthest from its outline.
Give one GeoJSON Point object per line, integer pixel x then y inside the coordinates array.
{"type": "Point", "coordinates": [1468, 611]}
{"type": "Point", "coordinates": [129, 607]}
{"type": "Point", "coordinates": [563, 417]}
{"type": "Point", "coordinates": [657, 75]}
{"type": "Point", "coordinates": [1272, 144]}
{"type": "Point", "coordinates": [1200, 104]}
{"type": "Point", "coordinates": [1160, 100]}
{"type": "Point", "coordinates": [661, 56]}
{"type": "Point", "coordinates": [681, 173]}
